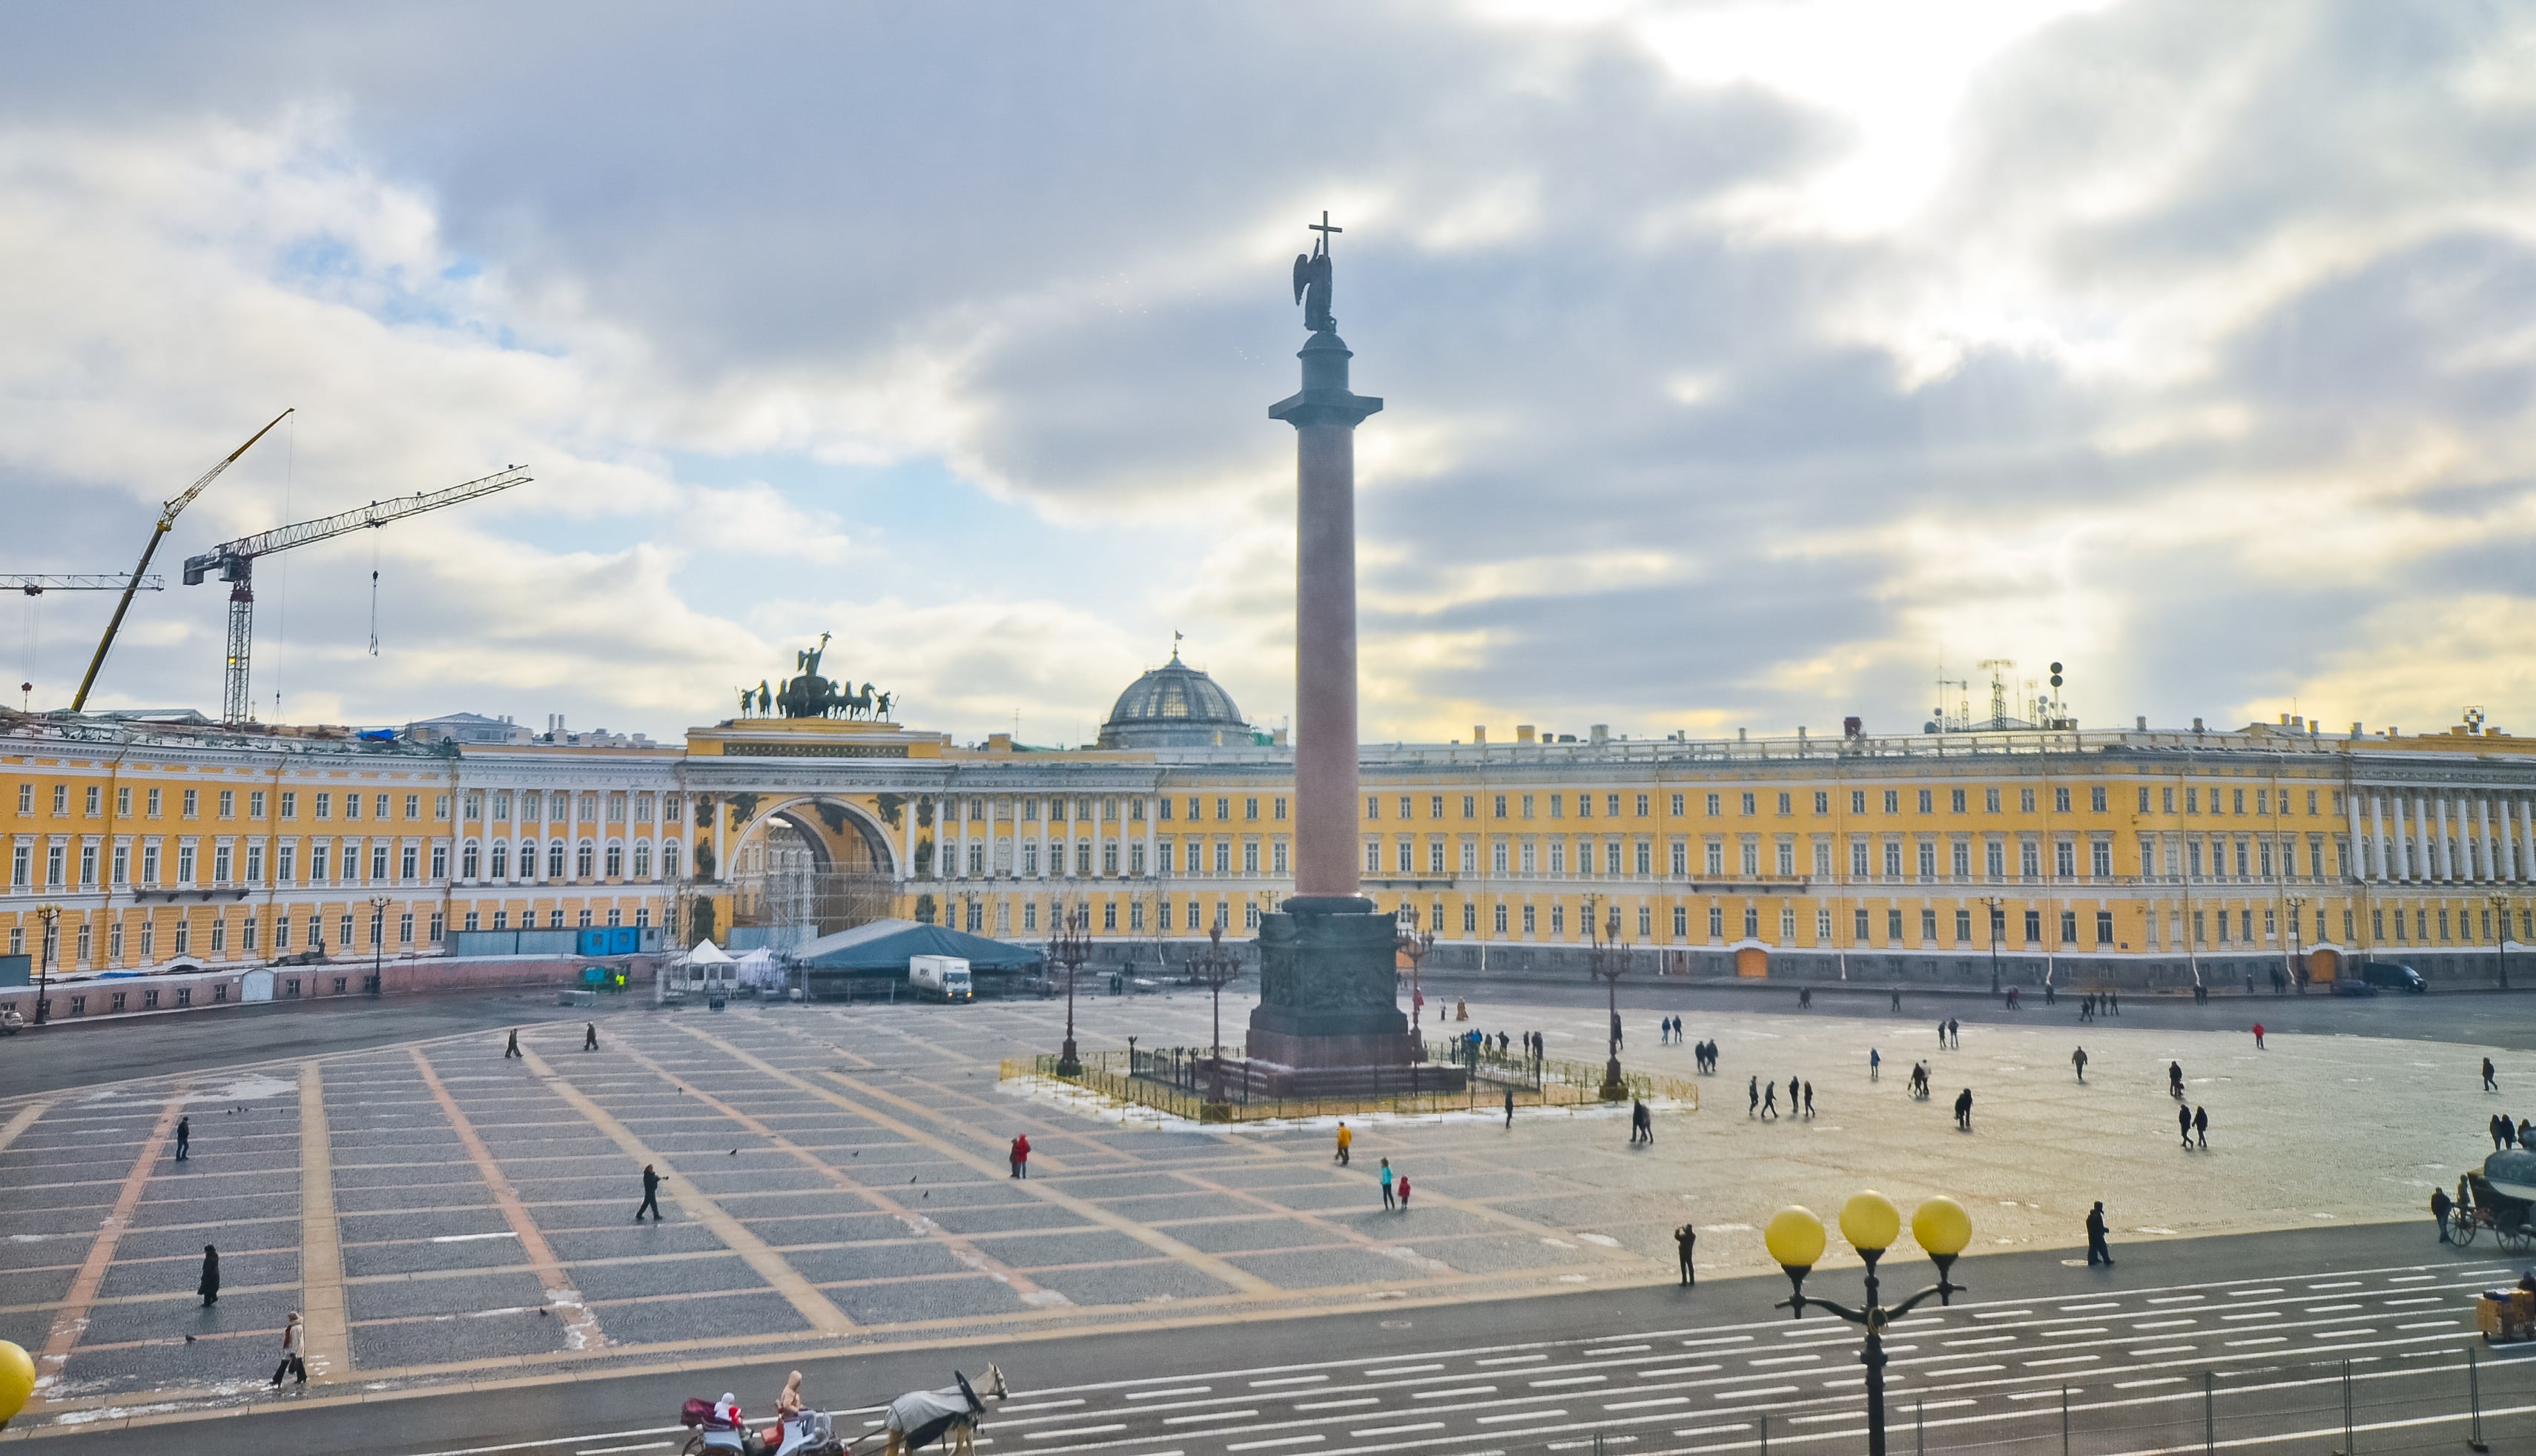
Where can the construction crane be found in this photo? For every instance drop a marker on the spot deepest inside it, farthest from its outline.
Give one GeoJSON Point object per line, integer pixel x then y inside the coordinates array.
{"type": "Point", "coordinates": [234, 561]}
{"type": "Point", "coordinates": [38, 586]}
{"type": "Point", "coordinates": [168, 515]}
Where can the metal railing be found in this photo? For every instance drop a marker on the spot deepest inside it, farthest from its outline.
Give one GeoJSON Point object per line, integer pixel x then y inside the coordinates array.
{"type": "Point", "coordinates": [1181, 1081]}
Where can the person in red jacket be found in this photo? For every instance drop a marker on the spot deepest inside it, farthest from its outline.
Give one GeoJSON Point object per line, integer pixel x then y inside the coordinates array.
{"type": "Point", "coordinates": [2258, 1036]}
{"type": "Point", "coordinates": [1021, 1156]}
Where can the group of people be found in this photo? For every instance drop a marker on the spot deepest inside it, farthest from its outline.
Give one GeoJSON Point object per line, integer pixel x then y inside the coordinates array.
{"type": "Point", "coordinates": [1950, 1035]}
{"type": "Point", "coordinates": [2099, 1003]}
{"type": "Point", "coordinates": [1668, 1032]}
{"type": "Point", "coordinates": [1704, 1055]}
{"type": "Point", "coordinates": [1765, 1097]}
{"type": "Point", "coordinates": [2509, 1134]}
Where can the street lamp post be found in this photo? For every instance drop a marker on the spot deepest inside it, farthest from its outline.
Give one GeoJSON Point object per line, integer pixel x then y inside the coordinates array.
{"type": "Point", "coordinates": [1870, 1223]}
{"type": "Point", "coordinates": [378, 942]}
{"type": "Point", "coordinates": [1607, 964]}
{"type": "Point", "coordinates": [1993, 901]}
{"type": "Point", "coordinates": [2500, 941]}
{"type": "Point", "coordinates": [2298, 943]}
{"type": "Point", "coordinates": [1414, 943]}
{"type": "Point", "coordinates": [1214, 969]}
{"type": "Point", "coordinates": [51, 916]}
{"type": "Point", "coordinates": [1071, 946]}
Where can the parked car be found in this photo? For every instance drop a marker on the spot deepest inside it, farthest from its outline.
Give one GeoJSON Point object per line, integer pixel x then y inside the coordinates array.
{"type": "Point", "coordinates": [2392, 975]}
{"type": "Point", "coordinates": [2353, 985]}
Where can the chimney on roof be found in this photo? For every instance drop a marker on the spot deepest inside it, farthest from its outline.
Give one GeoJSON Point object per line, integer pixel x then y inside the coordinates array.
{"type": "Point", "coordinates": [1852, 728]}
{"type": "Point", "coordinates": [1479, 732]}
{"type": "Point", "coordinates": [2141, 723]}
{"type": "Point", "coordinates": [1600, 732]}
{"type": "Point", "coordinates": [2197, 725]}
{"type": "Point", "coordinates": [1523, 732]}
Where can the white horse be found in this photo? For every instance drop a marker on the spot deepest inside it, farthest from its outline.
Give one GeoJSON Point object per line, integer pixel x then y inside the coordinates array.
{"type": "Point", "coordinates": [921, 1418]}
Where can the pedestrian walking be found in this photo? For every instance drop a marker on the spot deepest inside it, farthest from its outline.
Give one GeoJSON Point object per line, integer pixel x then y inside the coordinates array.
{"type": "Point", "coordinates": [1954, 1034]}
{"type": "Point", "coordinates": [1021, 1156]}
{"type": "Point", "coordinates": [1387, 1201]}
{"type": "Point", "coordinates": [1509, 1105]}
{"type": "Point", "coordinates": [1404, 1192]}
{"type": "Point", "coordinates": [2526, 1133]}
{"type": "Point", "coordinates": [1805, 999]}
{"type": "Point", "coordinates": [1875, 1065]}
{"type": "Point", "coordinates": [210, 1285]}
{"type": "Point", "coordinates": [2175, 1080]}
{"type": "Point", "coordinates": [1770, 1101]}
{"type": "Point", "coordinates": [1683, 1239]}
{"type": "Point", "coordinates": [294, 1348]}
{"type": "Point", "coordinates": [1897, 998]}
{"type": "Point", "coordinates": [1942, 1036]}
{"type": "Point", "coordinates": [1642, 1123]}
{"type": "Point", "coordinates": [1345, 1138]}
{"type": "Point", "coordinates": [2201, 1126]}
{"type": "Point", "coordinates": [2116, 997]}
{"type": "Point", "coordinates": [2489, 1084]}
{"type": "Point", "coordinates": [2258, 1036]}
{"type": "Point", "coordinates": [512, 1049]}
{"type": "Point", "coordinates": [2493, 1126]}
{"type": "Point", "coordinates": [1964, 1109]}
{"type": "Point", "coordinates": [1792, 1096]}
{"type": "Point", "coordinates": [651, 1194]}
{"type": "Point", "coordinates": [1809, 1102]}
{"type": "Point", "coordinates": [1616, 1044]}
{"type": "Point", "coordinates": [1753, 1091]}
{"type": "Point", "coordinates": [2439, 1206]}
{"type": "Point", "coordinates": [2078, 1059]}
{"type": "Point", "coordinates": [590, 1035]}
{"type": "Point", "coordinates": [2183, 1124]}
{"type": "Point", "coordinates": [2096, 1249]}
{"type": "Point", "coordinates": [184, 1136]}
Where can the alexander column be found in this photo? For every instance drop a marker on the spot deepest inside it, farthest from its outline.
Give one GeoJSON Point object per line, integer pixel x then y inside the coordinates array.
{"type": "Point", "coordinates": [1328, 1020]}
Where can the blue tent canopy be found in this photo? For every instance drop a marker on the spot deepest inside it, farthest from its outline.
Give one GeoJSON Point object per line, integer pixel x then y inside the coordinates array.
{"type": "Point", "coordinates": [884, 946]}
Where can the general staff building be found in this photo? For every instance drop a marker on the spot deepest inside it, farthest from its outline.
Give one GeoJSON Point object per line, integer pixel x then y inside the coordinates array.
{"type": "Point", "coordinates": [2098, 856]}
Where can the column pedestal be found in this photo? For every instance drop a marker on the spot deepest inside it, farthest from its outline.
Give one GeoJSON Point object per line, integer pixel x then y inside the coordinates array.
{"type": "Point", "coordinates": [1328, 1023]}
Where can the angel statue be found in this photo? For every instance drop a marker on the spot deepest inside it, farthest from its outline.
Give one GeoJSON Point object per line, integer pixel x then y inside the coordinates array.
{"type": "Point", "coordinates": [1312, 279]}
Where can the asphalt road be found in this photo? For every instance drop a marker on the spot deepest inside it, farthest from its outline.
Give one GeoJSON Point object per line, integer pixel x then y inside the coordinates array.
{"type": "Point", "coordinates": [2474, 1018]}
{"type": "Point", "coordinates": [2274, 1320]}
{"type": "Point", "coordinates": [87, 1053]}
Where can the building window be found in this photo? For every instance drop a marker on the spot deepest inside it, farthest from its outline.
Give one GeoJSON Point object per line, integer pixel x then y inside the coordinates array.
{"type": "Point", "coordinates": [1712, 806]}
{"type": "Point", "coordinates": [1893, 800]}
{"type": "Point", "coordinates": [1529, 921]}
{"type": "Point", "coordinates": [1716, 923]}
{"type": "Point", "coordinates": [1680, 922]}
{"type": "Point", "coordinates": [1990, 801]}
{"type": "Point", "coordinates": [1858, 933]}
{"type": "Point", "coordinates": [2068, 927]}
{"type": "Point", "coordinates": [1963, 927]}
{"type": "Point", "coordinates": [1747, 805]}
{"type": "Point", "coordinates": [2034, 927]}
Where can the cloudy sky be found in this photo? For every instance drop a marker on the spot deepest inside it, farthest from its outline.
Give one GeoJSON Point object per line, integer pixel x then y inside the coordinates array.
{"type": "Point", "coordinates": [1744, 360]}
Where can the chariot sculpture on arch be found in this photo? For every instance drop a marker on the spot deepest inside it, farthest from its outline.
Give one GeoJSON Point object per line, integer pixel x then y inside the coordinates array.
{"type": "Point", "coordinates": [807, 694]}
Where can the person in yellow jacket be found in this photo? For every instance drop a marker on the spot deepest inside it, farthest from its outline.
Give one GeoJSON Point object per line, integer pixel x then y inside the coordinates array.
{"type": "Point", "coordinates": [1344, 1137]}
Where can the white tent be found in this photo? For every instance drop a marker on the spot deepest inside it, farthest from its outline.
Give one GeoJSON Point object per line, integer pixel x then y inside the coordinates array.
{"type": "Point", "coordinates": [705, 953]}
{"type": "Point", "coordinates": [758, 968]}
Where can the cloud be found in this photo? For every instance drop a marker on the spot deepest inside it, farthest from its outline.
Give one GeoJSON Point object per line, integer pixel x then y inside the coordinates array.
{"type": "Point", "coordinates": [1741, 361]}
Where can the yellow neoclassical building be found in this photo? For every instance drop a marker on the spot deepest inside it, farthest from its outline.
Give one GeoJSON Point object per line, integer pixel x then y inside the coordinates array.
{"type": "Point", "coordinates": [2131, 856]}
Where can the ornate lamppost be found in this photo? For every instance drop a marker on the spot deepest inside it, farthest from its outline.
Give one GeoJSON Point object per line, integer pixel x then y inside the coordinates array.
{"type": "Point", "coordinates": [1415, 944]}
{"type": "Point", "coordinates": [1214, 969]}
{"type": "Point", "coordinates": [1997, 917]}
{"type": "Point", "coordinates": [1607, 962]}
{"type": "Point", "coordinates": [1870, 1223]}
{"type": "Point", "coordinates": [2501, 942]}
{"type": "Point", "coordinates": [2298, 945]}
{"type": "Point", "coordinates": [51, 916]}
{"type": "Point", "coordinates": [1071, 946]}
{"type": "Point", "coordinates": [378, 942]}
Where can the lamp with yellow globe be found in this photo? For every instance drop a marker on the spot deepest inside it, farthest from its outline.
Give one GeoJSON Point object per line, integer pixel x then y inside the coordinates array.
{"type": "Point", "coordinates": [1870, 1223]}
{"type": "Point", "coordinates": [17, 1380]}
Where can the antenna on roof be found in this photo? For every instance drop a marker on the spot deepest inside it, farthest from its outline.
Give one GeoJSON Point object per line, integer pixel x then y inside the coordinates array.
{"type": "Point", "coordinates": [1176, 644]}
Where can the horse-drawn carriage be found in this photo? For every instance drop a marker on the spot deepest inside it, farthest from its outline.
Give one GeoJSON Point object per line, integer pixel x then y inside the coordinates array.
{"type": "Point", "coordinates": [911, 1422]}
{"type": "Point", "coordinates": [2504, 1202]}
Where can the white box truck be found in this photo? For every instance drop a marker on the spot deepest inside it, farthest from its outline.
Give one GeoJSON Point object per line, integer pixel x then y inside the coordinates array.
{"type": "Point", "coordinates": [943, 978]}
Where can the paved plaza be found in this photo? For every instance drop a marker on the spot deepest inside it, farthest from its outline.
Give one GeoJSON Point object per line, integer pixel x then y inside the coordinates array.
{"type": "Point", "coordinates": [834, 1179]}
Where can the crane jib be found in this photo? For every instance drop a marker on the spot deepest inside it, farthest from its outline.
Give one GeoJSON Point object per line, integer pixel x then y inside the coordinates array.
{"type": "Point", "coordinates": [230, 558]}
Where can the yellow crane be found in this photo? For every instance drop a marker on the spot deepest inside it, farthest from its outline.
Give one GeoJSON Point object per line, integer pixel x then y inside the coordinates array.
{"type": "Point", "coordinates": [168, 515]}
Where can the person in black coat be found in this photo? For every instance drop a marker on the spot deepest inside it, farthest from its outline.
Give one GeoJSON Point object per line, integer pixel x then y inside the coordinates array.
{"type": "Point", "coordinates": [184, 1137]}
{"type": "Point", "coordinates": [651, 1194]}
{"type": "Point", "coordinates": [1685, 1238]}
{"type": "Point", "coordinates": [2096, 1249]}
{"type": "Point", "coordinates": [209, 1287]}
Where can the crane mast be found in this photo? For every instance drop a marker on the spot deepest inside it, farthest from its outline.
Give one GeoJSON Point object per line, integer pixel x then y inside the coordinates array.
{"type": "Point", "coordinates": [234, 561]}
{"type": "Point", "coordinates": [168, 515]}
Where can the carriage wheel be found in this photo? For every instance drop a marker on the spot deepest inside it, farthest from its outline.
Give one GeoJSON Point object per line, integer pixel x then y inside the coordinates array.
{"type": "Point", "coordinates": [2461, 1227]}
{"type": "Point", "coordinates": [2516, 1240]}
{"type": "Point", "coordinates": [695, 1445]}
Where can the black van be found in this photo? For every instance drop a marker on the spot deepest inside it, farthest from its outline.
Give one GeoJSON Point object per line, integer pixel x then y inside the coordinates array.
{"type": "Point", "coordinates": [2392, 975]}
